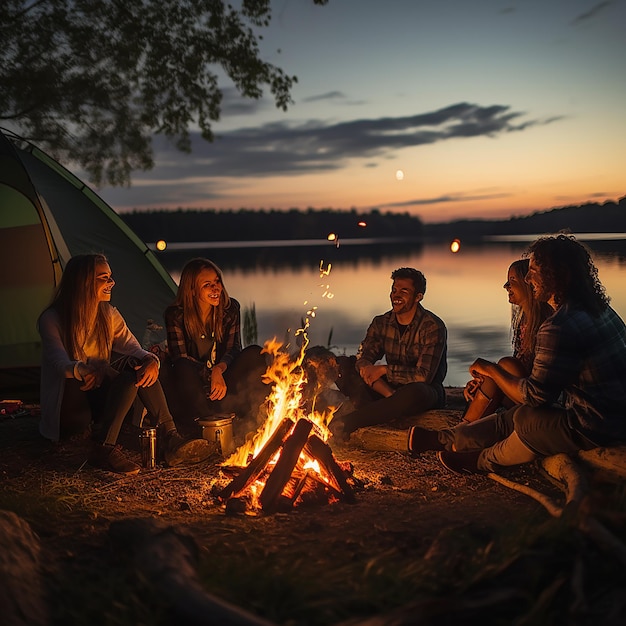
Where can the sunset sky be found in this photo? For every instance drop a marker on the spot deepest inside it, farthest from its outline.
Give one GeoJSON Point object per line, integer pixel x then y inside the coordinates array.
{"type": "Point", "coordinates": [442, 108]}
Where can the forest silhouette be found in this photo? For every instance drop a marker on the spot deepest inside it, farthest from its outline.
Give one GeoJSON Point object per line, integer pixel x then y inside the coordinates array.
{"type": "Point", "coordinates": [197, 225]}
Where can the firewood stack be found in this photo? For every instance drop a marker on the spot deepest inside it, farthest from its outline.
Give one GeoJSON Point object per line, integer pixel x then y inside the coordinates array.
{"type": "Point", "coordinates": [292, 480]}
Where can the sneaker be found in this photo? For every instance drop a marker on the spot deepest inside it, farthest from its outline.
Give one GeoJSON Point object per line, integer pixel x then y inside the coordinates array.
{"type": "Point", "coordinates": [112, 459]}
{"type": "Point", "coordinates": [421, 440]}
{"type": "Point", "coordinates": [461, 462]}
{"type": "Point", "coordinates": [181, 451]}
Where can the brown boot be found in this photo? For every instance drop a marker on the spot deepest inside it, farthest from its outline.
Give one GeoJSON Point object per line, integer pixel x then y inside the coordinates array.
{"type": "Point", "coordinates": [181, 451]}
{"type": "Point", "coordinates": [112, 459]}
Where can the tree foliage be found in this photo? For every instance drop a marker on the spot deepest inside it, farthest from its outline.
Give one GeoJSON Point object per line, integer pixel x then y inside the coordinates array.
{"type": "Point", "coordinates": [92, 80]}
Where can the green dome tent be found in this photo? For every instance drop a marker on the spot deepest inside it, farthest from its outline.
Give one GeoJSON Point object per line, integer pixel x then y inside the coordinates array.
{"type": "Point", "coordinates": [46, 216]}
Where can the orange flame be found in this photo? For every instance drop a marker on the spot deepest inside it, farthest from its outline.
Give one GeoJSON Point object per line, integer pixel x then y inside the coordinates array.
{"type": "Point", "coordinates": [285, 401]}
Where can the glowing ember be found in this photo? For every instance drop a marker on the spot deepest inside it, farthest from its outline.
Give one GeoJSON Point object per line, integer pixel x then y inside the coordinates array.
{"type": "Point", "coordinates": [325, 272]}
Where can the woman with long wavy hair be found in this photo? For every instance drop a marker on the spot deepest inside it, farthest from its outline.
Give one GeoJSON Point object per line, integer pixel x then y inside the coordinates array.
{"type": "Point", "coordinates": [80, 330]}
{"type": "Point", "coordinates": [483, 396]}
{"type": "Point", "coordinates": [211, 372]}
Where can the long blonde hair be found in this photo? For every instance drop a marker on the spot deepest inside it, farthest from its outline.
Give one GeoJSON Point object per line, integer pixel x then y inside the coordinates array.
{"type": "Point", "coordinates": [530, 315]}
{"type": "Point", "coordinates": [80, 312]}
{"type": "Point", "coordinates": [195, 325]}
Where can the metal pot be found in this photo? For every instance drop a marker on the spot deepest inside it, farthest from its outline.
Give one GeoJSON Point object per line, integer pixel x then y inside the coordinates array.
{"type": "Point", "coordinates": [218, 429]}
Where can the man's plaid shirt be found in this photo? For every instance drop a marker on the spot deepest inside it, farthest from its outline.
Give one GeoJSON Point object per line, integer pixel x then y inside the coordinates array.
{"type": "Point", "coordinates": [418, 353]}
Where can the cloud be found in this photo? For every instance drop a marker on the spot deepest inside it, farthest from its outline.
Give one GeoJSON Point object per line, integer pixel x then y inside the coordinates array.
{"type": "Point", "coordinates": [234, 105]}
{"type": "Point", "coordinates": [283, 148]}
{"type": "Point", "coordinates": [457, 197]}
{"type": "Point", "coordinates": [331, 95]}
{"type": "Point", "coordinates": [593, 11]}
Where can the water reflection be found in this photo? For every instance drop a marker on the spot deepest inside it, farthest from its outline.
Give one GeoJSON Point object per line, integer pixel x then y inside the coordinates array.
{"type": "Point", "coordinates": [463, 288]}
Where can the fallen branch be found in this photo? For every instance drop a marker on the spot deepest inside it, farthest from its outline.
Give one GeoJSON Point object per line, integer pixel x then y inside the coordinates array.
{"type": "Point", "coordinates": [570, 479]}
{"type": "Point", "coordinates": [551, 506]}
{"type": "Point", "coordinates": [22, 596]}
{"type": "Point", "coordinates": [167, 558]}
{"type": "Point", "coordinates": [609, 462]}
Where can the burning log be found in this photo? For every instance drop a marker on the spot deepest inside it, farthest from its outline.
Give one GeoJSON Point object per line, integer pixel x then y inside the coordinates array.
{"type": "Point", "coordinates": [257, 465]}
{"type": "Point", "coordinates": [321, 451]}
{"type": "Point", "coordinates": [292, 466]}
{"type": "Point", "coordinates": [316, 491]}
{"type": "Point", "coordinates": [289, 456]}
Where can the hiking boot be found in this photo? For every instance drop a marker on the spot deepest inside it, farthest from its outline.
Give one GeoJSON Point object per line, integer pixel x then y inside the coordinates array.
{"type": "Point", "coordinates": [461, 462]}
{"type": "Point", "coordinates": [181, 451]}
{"type": "Point", "coordinates": [112, 459]}
{"type": "Point", "coordinates": [421, 440]}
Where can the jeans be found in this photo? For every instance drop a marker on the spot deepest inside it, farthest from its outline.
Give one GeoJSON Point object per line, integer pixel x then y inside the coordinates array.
{"type": "Point", "coordinates": [515, 436]}
{"type": "Point", "coordinates": [112, 401]}
{"type": "Point", "coordinates": [187, 387]}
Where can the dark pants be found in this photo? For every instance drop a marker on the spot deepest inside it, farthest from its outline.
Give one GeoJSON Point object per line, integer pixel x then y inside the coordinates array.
{"type": "Point", "coordinates": [517, 435]}
{"type": "Point", "coordinates": [115, 397]}
{"type": "Point", "coordinates": [372, 408]}
{"type": "Point", "coordinates": [187, 388]}
{"type": "Point", "coordinates": [104, 409]}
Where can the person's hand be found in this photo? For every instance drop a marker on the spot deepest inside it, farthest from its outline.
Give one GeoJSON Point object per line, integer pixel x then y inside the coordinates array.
{"type": "Point", "coordinates": [147, 372]}
{"type": "Point", "coordinates": [93, 373]}
{"type": "Point", "coordinates": [383, 388]}
{"type": "Point", "coordinates": [480, 368]}
{"type": "Point", "coordinates": [218, 384]}
{"type": "Point", "coordinates": [371, 373]}
{"type": "Point", "coordinates": [471, 388]}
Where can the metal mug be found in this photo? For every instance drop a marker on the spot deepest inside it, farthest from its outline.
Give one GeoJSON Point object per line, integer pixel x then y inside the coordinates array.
{"type": "Point", "coordinates": [218, 429]}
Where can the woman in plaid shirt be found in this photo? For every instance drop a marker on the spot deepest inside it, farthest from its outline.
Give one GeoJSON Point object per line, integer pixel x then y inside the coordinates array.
{"type": "Point", "coordinates": [211, 372]}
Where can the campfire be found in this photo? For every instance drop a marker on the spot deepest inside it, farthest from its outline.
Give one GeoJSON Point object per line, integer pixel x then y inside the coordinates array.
{"type": "Point", "coordinates": [288, 462]}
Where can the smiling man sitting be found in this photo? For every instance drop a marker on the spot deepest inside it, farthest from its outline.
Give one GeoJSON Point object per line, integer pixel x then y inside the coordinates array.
{"type": "Point", "coordinates": [401, 364]}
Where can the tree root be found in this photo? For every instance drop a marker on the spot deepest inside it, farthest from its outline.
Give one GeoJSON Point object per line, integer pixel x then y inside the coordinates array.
{"type": "Point", "coordinates": [569, 477]}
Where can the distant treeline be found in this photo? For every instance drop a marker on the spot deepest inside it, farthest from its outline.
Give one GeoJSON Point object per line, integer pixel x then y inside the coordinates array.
{"type": "Point", "coordinates": [186, 225]}
{"type": "Point", "coordinates": [609, 217]}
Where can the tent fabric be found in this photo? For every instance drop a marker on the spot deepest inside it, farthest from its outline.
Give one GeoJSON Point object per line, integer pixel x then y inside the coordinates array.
{"type": "Point", "coordinates": [47, 215]}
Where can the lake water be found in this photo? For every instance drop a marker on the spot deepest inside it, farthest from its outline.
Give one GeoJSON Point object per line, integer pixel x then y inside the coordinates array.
{"type": "Point", "coordinates": [340, 288]}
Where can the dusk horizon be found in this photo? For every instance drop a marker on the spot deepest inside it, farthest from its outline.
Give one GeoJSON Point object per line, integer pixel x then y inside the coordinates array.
{"type": "Point", "coordinates": [446, 111]}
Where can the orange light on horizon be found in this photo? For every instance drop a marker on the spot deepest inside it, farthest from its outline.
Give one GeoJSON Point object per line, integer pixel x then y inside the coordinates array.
{"type": "Point", "coordinates": [455, 245]}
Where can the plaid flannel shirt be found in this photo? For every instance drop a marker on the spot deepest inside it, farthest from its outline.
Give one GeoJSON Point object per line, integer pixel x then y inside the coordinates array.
{"type": "Point", "coordinates": [417, 354]}
{"type": "Point", "coordinates": [584, 358]}
{"type": "Point", "coordinates": [182, 347]}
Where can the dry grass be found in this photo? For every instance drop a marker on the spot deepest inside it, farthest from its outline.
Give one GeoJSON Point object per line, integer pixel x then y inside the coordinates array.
{"type": "Point", "coordinates": [419, 546]}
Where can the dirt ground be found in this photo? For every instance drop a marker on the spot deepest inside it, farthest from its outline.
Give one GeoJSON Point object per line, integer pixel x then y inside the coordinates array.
{"type": "Point", "coordinates": [403, 506]}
